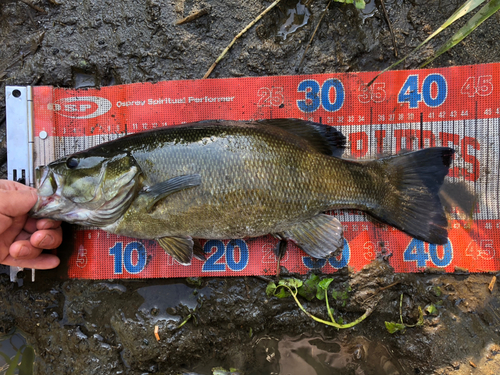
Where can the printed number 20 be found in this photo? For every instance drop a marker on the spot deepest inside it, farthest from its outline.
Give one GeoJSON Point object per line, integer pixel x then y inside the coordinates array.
{"type": "Point", "coordinates": [316, 95]}
{"type": "Point", "coordinates": [125, 258]}
{"type": "Point", "coordinates": [212, 263]}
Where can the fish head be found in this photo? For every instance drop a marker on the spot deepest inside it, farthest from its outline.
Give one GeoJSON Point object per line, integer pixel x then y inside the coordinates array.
{"type": "Point", "coordinates": [86, 188]}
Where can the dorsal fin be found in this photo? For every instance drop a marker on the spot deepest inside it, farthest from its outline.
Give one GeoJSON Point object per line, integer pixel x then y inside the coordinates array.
{"type": "Point", "coordinates": [323, 138]}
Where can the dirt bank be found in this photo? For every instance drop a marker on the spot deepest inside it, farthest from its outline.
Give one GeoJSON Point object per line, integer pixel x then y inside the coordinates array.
{"type": "Point", "coordinates": [107, 327]}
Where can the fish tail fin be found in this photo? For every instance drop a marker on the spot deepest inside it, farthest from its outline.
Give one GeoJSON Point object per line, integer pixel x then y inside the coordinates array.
{"type": "Point", "coordinates": [410, 201]}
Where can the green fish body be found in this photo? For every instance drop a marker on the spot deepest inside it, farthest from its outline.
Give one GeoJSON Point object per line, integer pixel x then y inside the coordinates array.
{"type": "Point", "coordinates": [230, 179]}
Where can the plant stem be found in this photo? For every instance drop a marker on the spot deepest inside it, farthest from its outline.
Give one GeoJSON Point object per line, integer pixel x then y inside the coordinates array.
{"type": "Point", "coordinates": [333, 324]}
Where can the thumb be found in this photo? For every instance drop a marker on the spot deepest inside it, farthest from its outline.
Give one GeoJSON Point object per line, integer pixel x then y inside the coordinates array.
{"type": "Point", "coordinates": [17, 202]}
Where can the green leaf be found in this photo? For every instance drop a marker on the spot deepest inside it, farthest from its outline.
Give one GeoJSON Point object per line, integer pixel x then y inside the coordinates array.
{"type": "Point", "coordinates": [27, 361]}
{"type": "Point", "coordinates": [420, 321]}
{"type": "Point", "coordinates": [393, 327]}
{"type": "Point", "coordinates": [431, 309]}
{"type": "Point", "coordinates": [360, 4]}
{"type": "Point", "coordinates": [325, 283]}
{"type": "Point", "coordinates": [282, 293]}
{"type": "Point", "coordinates": [484, 13]}
{"type": "Point", "coordinates": [309, 287]}
{"type": "Point", "coordinates": [437, 291]}
{"type": "Point", "coordinates": [320, 294]}
{"type": "Point", "coordinates": [270, 289]}
{"type": "Point", "coordinates": [292, 283]}
{"type": "Point", "coordinates": [322, 286]}
{"type": "Point", "coordinates": [335, 294]}
{"type": "Point", "coordinates": [13, 364]}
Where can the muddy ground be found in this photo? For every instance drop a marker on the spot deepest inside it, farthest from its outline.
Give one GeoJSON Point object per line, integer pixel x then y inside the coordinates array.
{"type": "Point", "coordinates": [107, 327]}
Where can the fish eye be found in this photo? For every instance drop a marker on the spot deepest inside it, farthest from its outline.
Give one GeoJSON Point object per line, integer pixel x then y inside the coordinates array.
{"type": "Point", "coordinates": [71, 163]}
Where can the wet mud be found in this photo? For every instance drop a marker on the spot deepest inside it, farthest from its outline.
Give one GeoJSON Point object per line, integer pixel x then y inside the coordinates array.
{"type": "Point", "coordinates": [108, 327]}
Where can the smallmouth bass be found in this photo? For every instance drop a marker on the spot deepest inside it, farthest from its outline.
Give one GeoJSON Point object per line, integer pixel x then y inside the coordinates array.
{"type": "Point", "coordinates": [234, 179]}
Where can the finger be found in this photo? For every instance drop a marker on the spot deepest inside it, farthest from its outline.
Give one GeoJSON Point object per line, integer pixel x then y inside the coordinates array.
{"type": "Point", "coordinates": [5, 222]}
{"type": "Point", "coordinates": [13, 185]}
{"type": "Point", "coordinates": [9, 229]}
{"type": "Point", "coordinates": [30, 225]}
{"type": "Point", "coordinates": [23, 249]}
{"type": "Point", "coordinates": [43, 262]}
{"type": "Point", "coordinates": [17, 202]}
{"type": "Point", "coordinates": [47, 224]}
{"type": "Point", "coordinates": [47, 238]}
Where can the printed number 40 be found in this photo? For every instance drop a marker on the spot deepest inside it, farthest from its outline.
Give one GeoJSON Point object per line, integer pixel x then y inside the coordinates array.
{"type": "Point", "coordinates": [415, 252]}
{"type": "Point", "coordinates": [433, 94]}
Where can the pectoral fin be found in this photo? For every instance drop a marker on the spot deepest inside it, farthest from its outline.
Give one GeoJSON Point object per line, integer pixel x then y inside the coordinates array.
{"type": "Point", "coordinates": [180, 248]}
{"type": "Point", "coordinates": [173, 185]}
{"type": "Point", "coordinates": [320, 237]}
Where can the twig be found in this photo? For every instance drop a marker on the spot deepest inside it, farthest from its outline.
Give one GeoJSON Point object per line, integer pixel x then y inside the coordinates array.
{"type": "Point", "coordinates": [388, 286]}
{"type": "Point", "coordinates": [34, 6]}
{"type": "Point", "coordinates": [312, 36]}
{"type": "Point", "coordinates": [263, 278]}
{"type": "Point", "coordinates": [239, 35]}
{"type": "Point", "coordinates": [193, 16]}
{"type": "Point", "coordinates": [492, 284]}
{"type": "Point", "coordinates": [390, 27]}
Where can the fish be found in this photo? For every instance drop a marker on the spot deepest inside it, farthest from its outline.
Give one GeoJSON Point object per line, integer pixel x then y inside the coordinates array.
{"type": "Point", "coordinates": [219, 179]}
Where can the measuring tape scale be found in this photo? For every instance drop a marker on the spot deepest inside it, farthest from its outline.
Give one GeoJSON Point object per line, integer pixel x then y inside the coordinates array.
{"type": "Point", "coordinates": [456, 107]}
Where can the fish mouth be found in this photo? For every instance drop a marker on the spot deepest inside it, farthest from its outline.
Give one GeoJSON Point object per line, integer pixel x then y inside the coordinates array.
{"type": "Point", "coordinates": [48, 186]}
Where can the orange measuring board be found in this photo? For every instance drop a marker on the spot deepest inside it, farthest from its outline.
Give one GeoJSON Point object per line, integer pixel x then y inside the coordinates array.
{"type": "Point", "coordinates": [457, 107]}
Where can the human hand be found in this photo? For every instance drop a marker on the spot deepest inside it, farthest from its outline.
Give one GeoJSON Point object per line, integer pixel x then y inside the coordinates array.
{"type": "Point", "coordinates": [22, 238]}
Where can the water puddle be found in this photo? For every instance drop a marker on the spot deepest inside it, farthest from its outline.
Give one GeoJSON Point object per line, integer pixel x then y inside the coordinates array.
{"type": "Point", "coordinates": [317, 356]}
{"type": "Point", "coordinates": [296, 15]}
{"type": "Point", "coordinates": [369, 10]}
{"type": "Point", "coordinates": [16, 356]}
{"type": "Point", "coordinates": [162, 301]}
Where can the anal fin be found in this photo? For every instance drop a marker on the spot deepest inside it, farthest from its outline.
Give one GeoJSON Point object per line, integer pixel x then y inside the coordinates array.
{"type": "Point", "coordinates": [180, 248]}
{"type": "Point", "coordinates": [320, 237]}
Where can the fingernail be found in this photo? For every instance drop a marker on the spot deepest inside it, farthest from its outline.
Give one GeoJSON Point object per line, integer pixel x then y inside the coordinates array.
{"type": "Point", "coordinates": [24, 251]}
{"type": "Point", "coordinates": [48, 240]}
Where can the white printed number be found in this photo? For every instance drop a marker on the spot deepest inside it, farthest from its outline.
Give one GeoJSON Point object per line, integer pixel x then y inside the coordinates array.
{"type": "Point", "coordinates": [483, 86]}
{"type": "Point", "coordinates": [270, 96]}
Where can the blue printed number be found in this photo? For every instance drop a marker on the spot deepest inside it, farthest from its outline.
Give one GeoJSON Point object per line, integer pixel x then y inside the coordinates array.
{"type": "Point", "coordinates": [447, 254]}
{"type": "Point", "coordinates": [331, 95]}
{"type": "Point", "coordinates": [441, 90]}
{"type": "Point", "coordinates": [125, 258]}
{"type": "Point", "coordinates": [410, 93]}
{"type": "Point", "coordinates": [334, 262]}
{"type": "Point", "coordinates": [416, 252]}
{"type": "Point", "coordinates": [215, 263]}
{"type": "Point", "coordinates": [311, 102]}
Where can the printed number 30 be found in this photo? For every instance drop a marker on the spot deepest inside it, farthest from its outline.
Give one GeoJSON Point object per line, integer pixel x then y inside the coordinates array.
{"type": "Point", "coordinates": [316, 95]}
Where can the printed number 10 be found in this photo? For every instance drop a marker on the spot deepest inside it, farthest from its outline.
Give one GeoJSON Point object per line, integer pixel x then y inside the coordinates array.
{"type": "Point", "coordinates": [125, 258]}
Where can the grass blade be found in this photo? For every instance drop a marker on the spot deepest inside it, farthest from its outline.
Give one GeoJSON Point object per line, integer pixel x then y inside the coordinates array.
{"type": "Point", "coordinates": [465, 8]}
{"type": "Point", "coordinates": [484, 13]}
